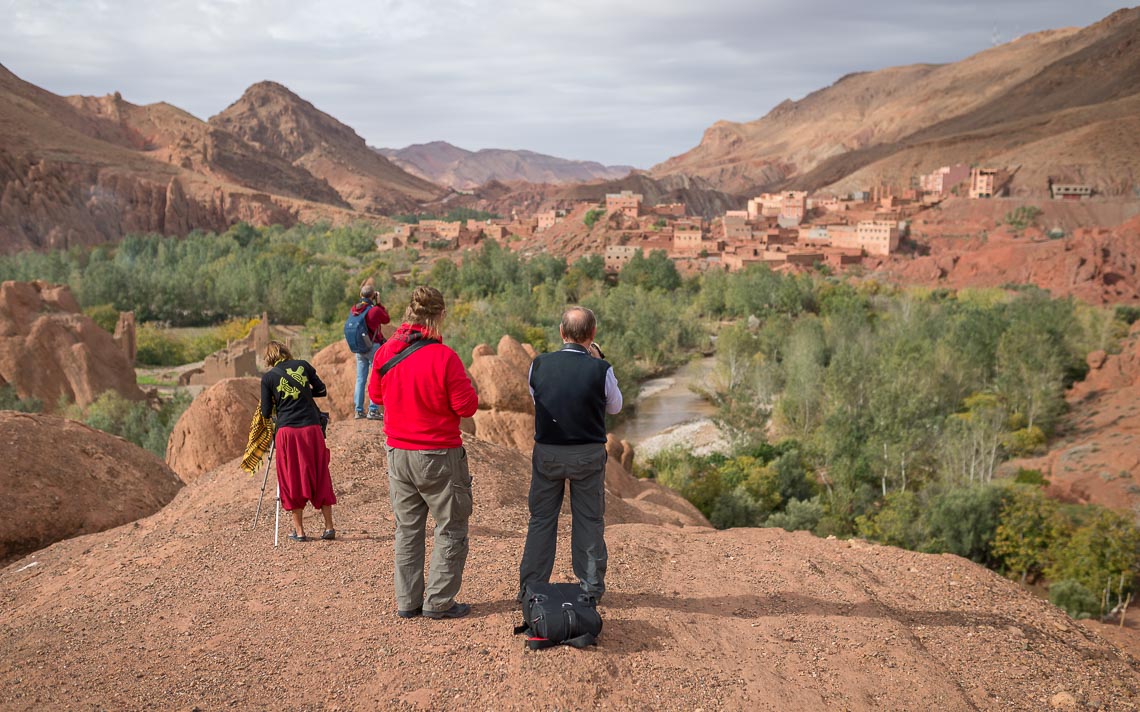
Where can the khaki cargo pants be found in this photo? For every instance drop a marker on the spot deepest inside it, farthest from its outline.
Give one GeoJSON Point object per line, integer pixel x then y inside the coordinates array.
{"type": "Point", "coordinates": [419, 482]}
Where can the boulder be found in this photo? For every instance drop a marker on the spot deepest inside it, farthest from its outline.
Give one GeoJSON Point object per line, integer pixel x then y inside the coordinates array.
{"type": "Point", "coordinates": [1096, 359]}
{"type": "Point", "coordinates": [504, 427]}
{"type": "Point", "coordinates": [501, 378]}
{"type": "Point", "coordinates": [100, 481]}
{"type": "Point", "coordinates": [214, 429]}
{"type": "Point", "coordinates": [50, 351]}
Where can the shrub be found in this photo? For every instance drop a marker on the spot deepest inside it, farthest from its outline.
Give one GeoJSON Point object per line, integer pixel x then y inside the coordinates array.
{"type": "Point", "coordinates": [10, 401]}
{"type": "Point", "coordinates": [139, 422]}
{"type": "Point", "coordinates": [1029, 527]}
{"type": "Point", "coordinates": [798, 515]}
{"type": "Point", "coordinates": [592, 216]}
{"type": "Point", "coordinates": [735, 508]}
{"type": "Point", "coordinates": [963, 521]}
{"type": "Point", "coordinates": [1022, 217]}
{"type": "Point", "coordinates": [105, 315]}
{"type": "Point", "coordinates": [897, 523]}
{"type": "Point", "coordinates": [1024, 442]}
{"type": "Point", "coordinates": [1030, 477]}
{"type": "Point", "coordinates": [1128, 313]}
{"type": "Point", "coordinates": [1073, 598]}
{"type": "Point", "coordinates": [157, 347]}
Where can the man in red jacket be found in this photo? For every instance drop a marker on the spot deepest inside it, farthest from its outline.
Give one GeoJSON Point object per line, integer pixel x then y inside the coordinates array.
{"type": "Point", "coordinates": [425, 393]}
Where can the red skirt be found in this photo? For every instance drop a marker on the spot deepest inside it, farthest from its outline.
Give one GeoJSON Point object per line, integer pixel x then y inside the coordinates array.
{"type": "Point", "coordinates": [303, 468]}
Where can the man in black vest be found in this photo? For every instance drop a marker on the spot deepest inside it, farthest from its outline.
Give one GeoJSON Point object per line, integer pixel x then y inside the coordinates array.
{"type": "Point", "coordinates": [573, 390]}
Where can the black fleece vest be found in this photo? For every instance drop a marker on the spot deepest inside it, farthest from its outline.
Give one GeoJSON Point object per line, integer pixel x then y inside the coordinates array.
{"type": "Point", "coordinates": [569, 397]}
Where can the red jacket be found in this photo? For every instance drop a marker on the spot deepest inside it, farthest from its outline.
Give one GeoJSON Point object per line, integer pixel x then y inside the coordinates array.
{"type": "Point", "coordinates": [374, 319]}
{"type": "Point", "coordinates": [424, 396]}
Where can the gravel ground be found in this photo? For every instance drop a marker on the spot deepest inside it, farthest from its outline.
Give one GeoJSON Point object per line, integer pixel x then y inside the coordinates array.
{"type": "Point", "coordinates": [191, 609]}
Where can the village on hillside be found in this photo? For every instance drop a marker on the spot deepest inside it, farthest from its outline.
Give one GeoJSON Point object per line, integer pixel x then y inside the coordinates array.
{"type": "Point", "coordinates": [789, 229]}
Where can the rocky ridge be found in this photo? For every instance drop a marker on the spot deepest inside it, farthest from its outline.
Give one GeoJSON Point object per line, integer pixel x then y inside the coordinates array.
{"type": "Point", "coordinates": [50, 351]}
{"type": "Point", "coordinates": [445, 164]}
{"type": "Point", "coordinates": [1059, 103]}
{"type": "Point", "coordinates": [87, 170]}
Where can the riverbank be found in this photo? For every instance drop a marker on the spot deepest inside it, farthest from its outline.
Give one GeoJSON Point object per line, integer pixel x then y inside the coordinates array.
{"type": "Point", "coordinates": [669, 412]}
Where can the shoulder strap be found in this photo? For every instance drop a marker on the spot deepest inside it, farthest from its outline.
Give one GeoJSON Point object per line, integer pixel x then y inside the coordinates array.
{"type": "Point", "coordinates": [411, 349]}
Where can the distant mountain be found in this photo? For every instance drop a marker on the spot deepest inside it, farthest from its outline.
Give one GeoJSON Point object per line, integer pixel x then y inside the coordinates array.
{"type": "Point", "coordinates": [277, 121]}
{"type": "Point", "coordinates": [445, 164]}
{"type": "Point", "coordinates": [1060, 103]}
{"type": "Point", "coordinates": [85, 170]}
{"type": "Point", "coordinates": [523, 198]}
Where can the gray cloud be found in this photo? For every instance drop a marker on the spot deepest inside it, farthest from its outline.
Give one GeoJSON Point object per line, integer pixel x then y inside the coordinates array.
{"type": "Point", "coordinates": [632, 82]}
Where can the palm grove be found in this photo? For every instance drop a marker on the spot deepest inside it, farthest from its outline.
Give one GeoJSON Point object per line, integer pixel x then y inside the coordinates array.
{"type": "Point", "coordinates": [855, 409]}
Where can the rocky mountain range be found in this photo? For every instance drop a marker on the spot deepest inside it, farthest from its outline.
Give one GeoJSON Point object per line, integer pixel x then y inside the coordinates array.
{"type": "Point", "coordinates": [445, 164]}
{"type": "Point", "coordinates": [1062, 104]}
{"type": "Point", "coordinates": [85, 170]}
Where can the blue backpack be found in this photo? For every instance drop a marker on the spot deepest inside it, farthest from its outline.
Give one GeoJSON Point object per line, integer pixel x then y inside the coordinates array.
{"type": "Point", "coordinates": [356, 333]}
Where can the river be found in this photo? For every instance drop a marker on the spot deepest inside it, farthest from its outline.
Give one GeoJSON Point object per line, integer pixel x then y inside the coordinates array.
{"type": "Point", "coordinates": [670, 413]}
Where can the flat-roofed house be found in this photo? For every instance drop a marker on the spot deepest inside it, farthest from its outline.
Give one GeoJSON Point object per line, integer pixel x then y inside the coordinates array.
{"type": "Point", "coordinates": [626, 202]}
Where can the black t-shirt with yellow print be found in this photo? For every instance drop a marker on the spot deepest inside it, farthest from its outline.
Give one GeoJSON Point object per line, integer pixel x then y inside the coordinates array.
{"type": "Point", "coordinates": [291, 386]}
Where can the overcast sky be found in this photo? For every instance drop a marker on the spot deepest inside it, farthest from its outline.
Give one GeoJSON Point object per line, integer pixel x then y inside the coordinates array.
{"type": "Point", "coordinates": [617, 81]}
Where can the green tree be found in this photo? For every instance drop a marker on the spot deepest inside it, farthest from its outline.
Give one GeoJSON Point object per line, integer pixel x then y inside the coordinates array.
{"type": "Point", "coordinates": [1029, 526]}
{"type": "Point", "coordinates": [1029, 374]}
{"type": "Point", "coordinates": [1099, 554]}
{"type": "Point", "coordinates": [899, 522]}
{"type": "Point", "coordinates": [963, 521]}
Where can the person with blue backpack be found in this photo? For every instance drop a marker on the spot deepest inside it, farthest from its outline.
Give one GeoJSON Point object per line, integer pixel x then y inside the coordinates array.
{"type": "Point", "coordinates": [364, 337]}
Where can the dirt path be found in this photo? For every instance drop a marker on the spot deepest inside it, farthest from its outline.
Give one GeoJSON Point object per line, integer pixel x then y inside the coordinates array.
{"type": "Point", "coordinates": [189, 609]}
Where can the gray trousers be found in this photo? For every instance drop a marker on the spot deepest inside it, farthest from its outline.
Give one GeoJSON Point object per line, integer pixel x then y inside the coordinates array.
{"type": "Point", "coordinates": [419, 482]}
{"type": "Point", "coordinates": [584, 467]}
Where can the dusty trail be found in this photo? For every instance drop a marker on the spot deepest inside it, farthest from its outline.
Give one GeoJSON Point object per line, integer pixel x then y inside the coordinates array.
{"type": "Point", "coordinates": [188, 608]}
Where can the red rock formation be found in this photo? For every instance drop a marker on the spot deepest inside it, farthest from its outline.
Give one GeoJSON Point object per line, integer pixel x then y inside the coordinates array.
{"type": "Point", "coordinates": [125, 335]}
{"type": "Point", "coordinates": [64, 479]}
{"type": "Point", "coordinates": [214, 429]}
{"type": "Point", "coordinates": [85, 170]}
{"type": "Point", "coordinates": [50, 351]}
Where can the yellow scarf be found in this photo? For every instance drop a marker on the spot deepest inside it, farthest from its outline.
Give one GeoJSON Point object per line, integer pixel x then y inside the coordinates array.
{"type": "Point", "coordinates": [260, 438]}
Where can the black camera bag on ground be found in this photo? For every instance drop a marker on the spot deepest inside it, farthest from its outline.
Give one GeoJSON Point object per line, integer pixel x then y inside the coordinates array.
{"type": "Point", "coordinates": [559, 614]}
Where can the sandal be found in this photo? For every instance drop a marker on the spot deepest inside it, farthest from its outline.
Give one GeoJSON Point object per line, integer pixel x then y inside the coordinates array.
{"type": "Point", "coordinates": [329, 534]}
{"type": "Point", "coordinates": [293, 537]}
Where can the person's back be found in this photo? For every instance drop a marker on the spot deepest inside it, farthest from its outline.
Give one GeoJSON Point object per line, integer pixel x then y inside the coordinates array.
{"type": "Point", "coordinates": [375, 316]}
{"type": "Point", "coordinates": [425, 394]}
{"type": "Point", "coordinates": [287, 392]}
{"type": "Point", "coordinates": [569, 397]}
{"type": "Point", "coordinates": [573, 389]}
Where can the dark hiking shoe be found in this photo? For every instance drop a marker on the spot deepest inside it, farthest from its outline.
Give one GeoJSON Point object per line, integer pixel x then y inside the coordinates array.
{"type": "Point", "coordinates": [456, 611]}
{"type": "Point", "coordinates": [359, 415]}
{"type": "Point", "coordinates": [329, 534]}
{"type": "Point", "coordinates": [375, 415]}
{"type": "Point", "coordinates": [410, 614]}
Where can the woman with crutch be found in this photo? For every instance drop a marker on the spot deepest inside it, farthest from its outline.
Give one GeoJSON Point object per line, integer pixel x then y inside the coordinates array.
{"type": "Point", "coordinates": [289, 387]}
